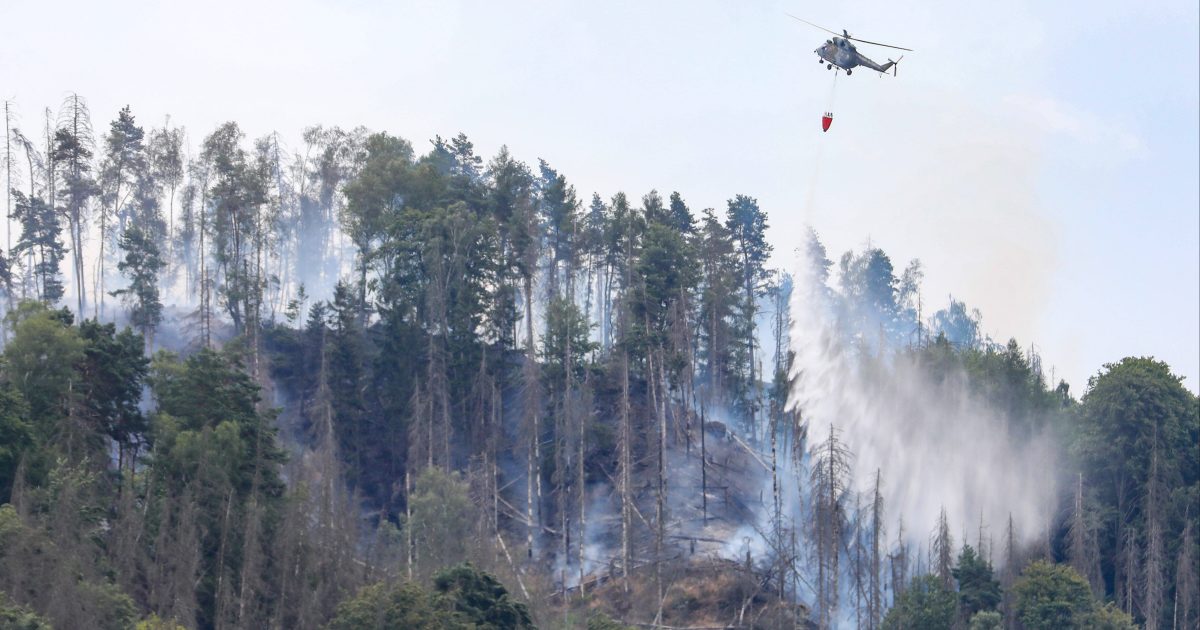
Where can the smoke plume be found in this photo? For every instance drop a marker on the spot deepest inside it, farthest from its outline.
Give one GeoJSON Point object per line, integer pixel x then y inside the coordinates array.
{"type": "Point", "coordinates": [936, 444]}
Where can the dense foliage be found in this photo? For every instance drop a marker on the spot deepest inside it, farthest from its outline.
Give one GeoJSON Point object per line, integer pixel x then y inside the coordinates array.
{"type": "Point", "coordinates": [462, 597]}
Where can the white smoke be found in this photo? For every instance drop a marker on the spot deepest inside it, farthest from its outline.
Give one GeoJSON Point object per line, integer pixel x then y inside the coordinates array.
{"type": "Point", "coordinates": [937, 445]}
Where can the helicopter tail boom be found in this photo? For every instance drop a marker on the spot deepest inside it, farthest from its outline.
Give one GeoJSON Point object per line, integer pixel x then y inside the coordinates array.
{"type": "Point", "coordinates": [862, 60]}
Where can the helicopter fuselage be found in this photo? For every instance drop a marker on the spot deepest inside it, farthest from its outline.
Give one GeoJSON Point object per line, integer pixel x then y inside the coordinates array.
{"type": "Point", "coordinates": [838, 52]}
{"type": "Point", "coordinates": [841, 53]}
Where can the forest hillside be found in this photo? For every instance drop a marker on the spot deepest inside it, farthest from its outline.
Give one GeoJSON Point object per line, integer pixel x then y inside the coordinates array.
{"type": "Point", "coordinates": [357, 382]}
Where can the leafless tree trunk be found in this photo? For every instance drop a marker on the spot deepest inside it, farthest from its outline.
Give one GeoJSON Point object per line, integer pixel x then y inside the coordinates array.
{"type": "Point", "coordinates": [76, 109]}
{"type": "Point", "coordinates": [1009, 576]}
{"type": "Point", "coordinates": [9, 184]}
{"type": "Point", "coordinates": [857, 561]}
{"type": "Point", "coordinates": [222, 594]}
{"type": "Point", "coordinates": [626, 472]}
{"type": "Point", "coordinates": [830, 471]}
{"type": "Point", "coordinates": [898, 561]}
{"type": "Point", "coordinates": [1127, 557]}
{"type": "Point", "coordinates": [581, 481]}
{"type": "Point", "coordinates": [660, 514]}
{"type": "Point", "coordinates": [1084, 556]}
{"type": "Point", "coordinates": [943, 552]}
{"type": "Point", "coordinates": [1187, 580]}
{"type": "Point", "coordinates": [1153, 586]}
{"type": "Point", "coordinates": [563, 468]}
{"type": "Point", "coordinates": [409, 550]}
{"type": "Point", "coordinates": [176, 560]}
{"type": "Point", "coordinates": [777, 533]}
{"type": "Point", "coordinates": [703, 467]}
{"type": "Point", "coordinates": [877, 536]}
{"type": "Point", "coordinates": [250, 585]}
{"type": "Point", "coordinates": [533, 453]}
{"type": "Point", "coordinates": [205, 306]}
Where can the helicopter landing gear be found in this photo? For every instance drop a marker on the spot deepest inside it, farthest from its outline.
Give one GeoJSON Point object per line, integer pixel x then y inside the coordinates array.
{"type": "Point", "coordinates": [829, 66]}
{"type": "Point", "coordinates": [848, 72]}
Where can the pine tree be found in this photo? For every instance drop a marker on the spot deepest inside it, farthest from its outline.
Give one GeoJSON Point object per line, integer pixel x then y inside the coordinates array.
{"type": "Point", "coordinates": [978, 589]}
{"type": "Point", "coordinates": [747, 226]}
{"type": "Point", "coordinates": [73, 148]}
{"type": "Point", "coordinates": [124, 162]}
{"type": "Point", "coordinates": [558, 207]}
{"type": "Point", "coordinates": [590, 244]}
{"type": "Point", "coordinates": [718, 287]}
{"type": "Point", "coordinates": [112, 374]}
{"type": "Point", "coordinates": [142, 264]}
{"type": "Point", "coordinates": [345, 366]}
{"type": "Point", "coordinates": [40, 240]}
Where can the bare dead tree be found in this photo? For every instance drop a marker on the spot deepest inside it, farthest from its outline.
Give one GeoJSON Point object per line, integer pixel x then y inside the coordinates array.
{"type": "Point", "coordinates": [1083, 554]}
{"type": "Point", "coordinates": [943, 552]}
{"type": "Point", "coordinates": [586, 403]}
{"type": "Point", "coordinates": [703, 468]}
{"type": "Point", "coordinates": [1009, 576]}
{"type": "Point", "coordinates": [533, 467]}
{"type": "Point", "coordinates": [898, 561]}
{"type": "Point", "coordinates": [660, 510]}
{"type": "Point", "coordinates": [858, 561]}
{"type": "Point", "coordinates": [9, 184]}
{"type": "Point", "coordinates": [830, 480]}
{"type": "Point", "coordinates": [875, 592]}
{"type": "Point", "coordinates": [1128, 554]}
{"type": "Point", "coordinates": [626, 430]}
{"type": "Point", "coordinates": [625, 465]}
{"type": "Point", "coordinates": [1153, 580]}
{"type": "Point", "coordinates": [1187, 580]}
{"type": "Point", "coordinates": [34, 162]}
{"type": "Point", "coordinates": [777, 533]}
{"type": "Point", "coordinates": [205, 280]}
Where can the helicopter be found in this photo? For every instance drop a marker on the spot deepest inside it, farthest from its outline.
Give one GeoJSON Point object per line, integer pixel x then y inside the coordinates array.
{"type": "Point", "coordinates": [839, 52]}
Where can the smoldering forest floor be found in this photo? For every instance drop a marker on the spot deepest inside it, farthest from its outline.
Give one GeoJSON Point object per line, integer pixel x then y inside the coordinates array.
{"type": "Point", "coordinates": [716, 570]}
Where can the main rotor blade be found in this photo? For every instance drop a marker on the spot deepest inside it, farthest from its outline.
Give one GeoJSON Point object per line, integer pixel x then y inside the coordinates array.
{"type": "Point", "coordinates": [812, 25]}
{"type": "Point", "coordinates": [878, 44]}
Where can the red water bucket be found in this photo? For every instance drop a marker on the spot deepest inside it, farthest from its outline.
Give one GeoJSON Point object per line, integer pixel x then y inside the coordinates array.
{"type": "Point", "coordinates": [826, 120]}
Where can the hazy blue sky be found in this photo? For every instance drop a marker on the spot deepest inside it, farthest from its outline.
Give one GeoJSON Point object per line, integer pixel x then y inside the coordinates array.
{"type": "Point", "coordinates": [1039, 158]}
